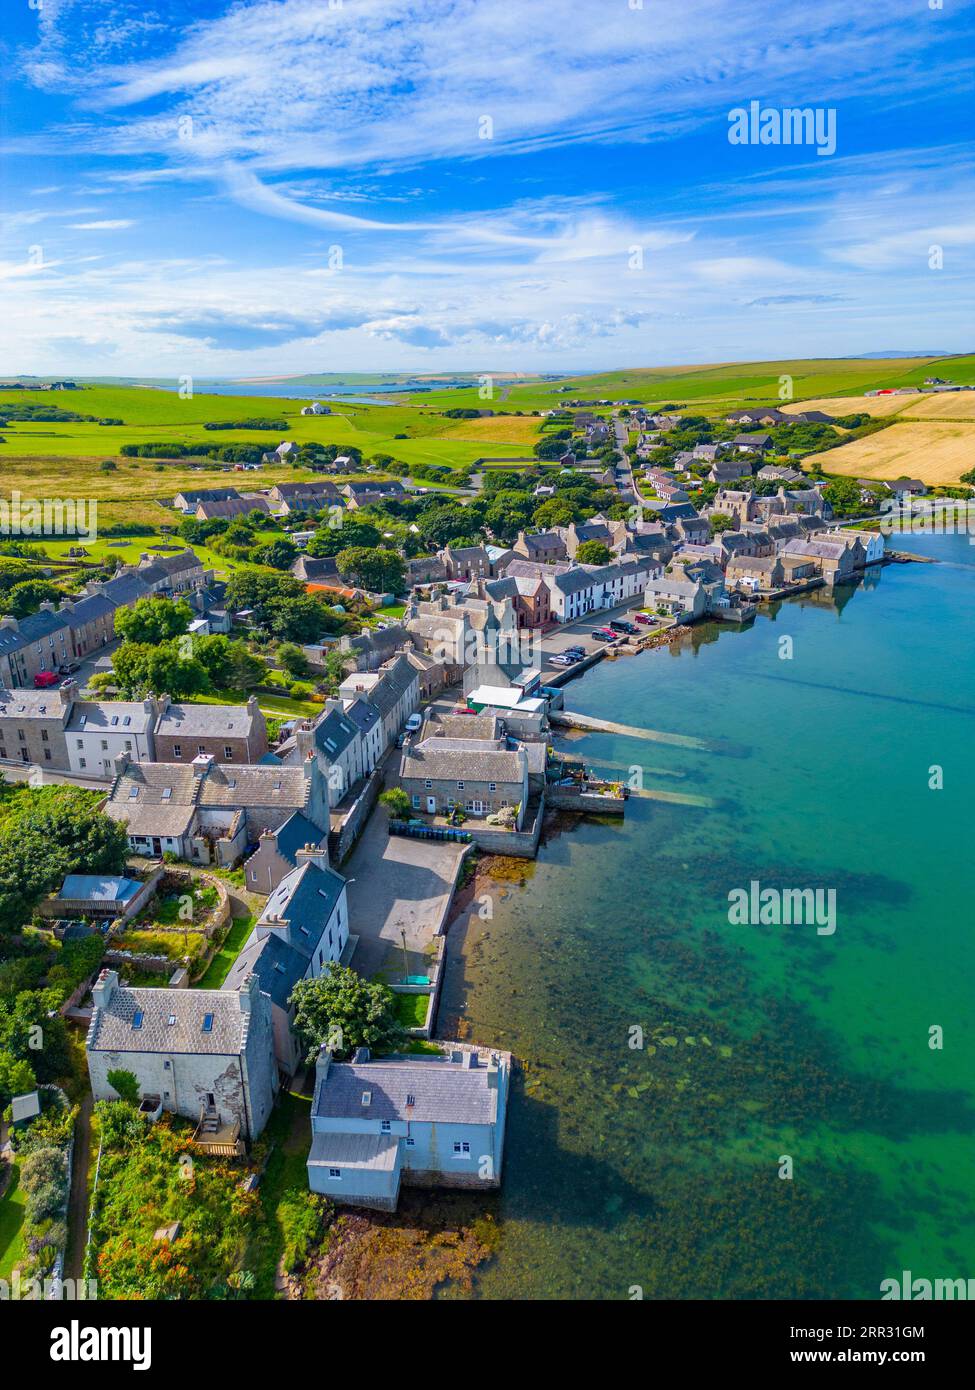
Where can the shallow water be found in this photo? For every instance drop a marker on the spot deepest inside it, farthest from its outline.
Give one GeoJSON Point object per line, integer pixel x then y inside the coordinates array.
{"type": "Point", "coordinates": [658, 1166]}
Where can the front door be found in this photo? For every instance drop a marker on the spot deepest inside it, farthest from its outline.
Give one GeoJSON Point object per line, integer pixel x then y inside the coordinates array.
{"type": "Point", "coordinates": [432, 805]}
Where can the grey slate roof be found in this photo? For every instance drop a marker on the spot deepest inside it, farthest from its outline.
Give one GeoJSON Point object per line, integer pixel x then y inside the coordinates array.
{"type": "Point", "coordinates": [444, 1091]}
{"type": "Point", "coordinates": [125, 589]}
{"type": "Point", "coordinates": [363, 715]}
{"type": "Point", "coordinates": [114, 716]}
{"type": "Point", "coordinates": [472, 763]}
{"type": "Point", "coordinates": [396, 679]}
{"type": "Point", "coordinates": [297, 832]}
{"type": "Point", "coordinates": [32, 629]}
{"type": "Point", "coordinates": [206, 721]}
{"type": "Point", "coordinates": [277, 964]}
{"type": "Point", "coordinates": [30, 704]}
{"type": "Point", "coordinates": [334, 733]}
{"type": "Point", "coordinates": [87, 610]}
{"type": "Point", "coordinates": [111, 1028]}
{"type": "Point", "coordinates": [303, 901]}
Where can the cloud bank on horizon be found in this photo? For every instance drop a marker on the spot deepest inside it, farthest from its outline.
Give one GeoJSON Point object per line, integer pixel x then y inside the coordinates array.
{"type": "Point", "coordinates": [354, 185]}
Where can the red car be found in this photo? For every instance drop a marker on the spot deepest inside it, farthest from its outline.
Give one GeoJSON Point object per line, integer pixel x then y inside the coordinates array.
{"type": "Point", "coordinates": [643, 618]}
{"type": "Point", "coordinates": [45, 679]}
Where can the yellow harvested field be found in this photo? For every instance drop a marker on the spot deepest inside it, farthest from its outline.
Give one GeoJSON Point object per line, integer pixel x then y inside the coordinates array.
{"type": "Point", "coordinates": [500, 429]}
{"type": "Point", "coordinates": [934, 451]}
{"type": "Point", "coordinates": [946, 405]}
{"type": "Point", "coordinates": [853, 405]}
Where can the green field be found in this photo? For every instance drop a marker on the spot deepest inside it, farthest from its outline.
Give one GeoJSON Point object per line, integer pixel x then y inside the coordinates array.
{"type": "Point", "coordinates": [161, 416]}
{"type": "Point", "coordinates": [60, 459]}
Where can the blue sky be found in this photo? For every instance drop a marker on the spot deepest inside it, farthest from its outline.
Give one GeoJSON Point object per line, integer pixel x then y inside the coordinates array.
{"type": "Point", "coordinates": [279, 186]}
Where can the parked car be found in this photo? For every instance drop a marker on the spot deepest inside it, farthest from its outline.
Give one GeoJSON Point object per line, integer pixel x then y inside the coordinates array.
{"type": "Point", "coordinates": [575, 651]}
{"type": "Point", "coordinates": [603, 635]}
{"type": "Point", "coordinates": [620, 626]}
{"type": "Point", "coordinates": [645, 618]}
{"type": "Point", "coordinates": [564, 659]}
{"type": "Point", "coordinates": [45, 679]}
{"type": "Point", "coordinates": [413, 723]}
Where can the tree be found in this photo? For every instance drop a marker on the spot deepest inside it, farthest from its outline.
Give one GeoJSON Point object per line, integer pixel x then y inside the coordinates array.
{"type": "Point", "coordinates": [246, 669]}
{"type": "Point", "coordinates": [347, 1011]}
{"type": "Point", "coordinates": [593, 553]}
{"type": "Point", "coordinates": [720, 521]}
{"type": "Point", "coordinates": [153, 620]}
{"type": "Point", "coordinates": [125, 1083]}
{"type": "Point", "coordinates": [141, 668]}
{"type": "Point", "coordinates": [280, 554]}
{"type": "Point", "coordinates": [16, 1077]}
{"type": "Point", "coordinates": [555, 512]}
{"type": "Point", "coordinates": [27, 597]}
{"type": "Point", "coordinates": [397, 802]}
{"type": "Point", "coordinates": [292, 659]}
{"type": "Point", "coordinates": [329, 540]}
{"type": "Point", "coordinates": [379, 570]}
{"type": "Point", "coordinates": [843, 495]}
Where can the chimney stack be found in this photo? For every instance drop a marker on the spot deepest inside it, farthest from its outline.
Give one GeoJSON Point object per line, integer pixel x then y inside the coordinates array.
{"type": "Point", "coordinates": [247, 993]}
{"type": "Point", "coordinates": [68, 692]}
{"type": "Point", "coordinates": [312, 854]}
{"type": "Point", "coordinates": [103, 988]}
{"type": "Point", "coordinates": [120, 762]}
{"type": "Point", "coordinates": [162, 704]}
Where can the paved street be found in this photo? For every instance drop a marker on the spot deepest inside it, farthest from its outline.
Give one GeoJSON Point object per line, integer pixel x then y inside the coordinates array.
{"type": "Point", "coordinates": [400, 885]}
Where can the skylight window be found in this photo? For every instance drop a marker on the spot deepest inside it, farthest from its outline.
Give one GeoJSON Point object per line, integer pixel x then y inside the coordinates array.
{"type": "Point", "coordinates": [208, 1023]}
{"type": "Point", "coordinates": [133, 793]}
{"type": "Point", "coordinates": [367, 1097]}
{"type": "Point", "coordinates": [167, 793]}
{"type": "Point", "coordinates": [171, 1020]}
{"type": "Point", "coordinates": [137, 1018]}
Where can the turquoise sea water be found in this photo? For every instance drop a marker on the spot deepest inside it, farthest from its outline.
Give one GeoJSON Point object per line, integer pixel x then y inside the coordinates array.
{"type": "Point", "coordinates": [659, 1166]}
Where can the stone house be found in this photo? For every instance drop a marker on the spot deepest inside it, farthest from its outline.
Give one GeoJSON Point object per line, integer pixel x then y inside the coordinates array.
{"type": "Point", "coordinates": [466, 562]}
{"type": "Point", "coordinates": [543, 547]}
{"type": "Point", "coordinates": [40, 642]}
{"type": "Point", "coordinates": [210, 812]}
{"type": "Point", "coordinates": [187, 500]}
{"type": "Point", "coordinates": [33, 726]}
{"type": "Point", "coordinates": [227, 507]}
{"type": "Point", "coordinates": [197, 1050]}
{"type": "Point", "coordinates": [431, 1121]}
{"type": "Point", "coordinates": [226, 733]}
{"type": "Point", "coordinates": [276, 853]}
{"type": "Point", "coordinates": [753, 573]}
{"type": "Point", "coordinates": [834, 560]}
{"type": "Point", "coordinates": [175, 573]}
{"type": "Point", "coordinates": [480, 776]}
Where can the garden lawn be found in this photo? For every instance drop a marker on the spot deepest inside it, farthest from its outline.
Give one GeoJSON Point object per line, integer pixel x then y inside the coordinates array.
{"type": "Point", "coordinates": [411, 1009]}
{"type": "Point", "coordinates": [11, 1221]}
{"type": "Point", "coordinates": [289, 1134]}
{"type": "Point", "coordinates": [219, 967]}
